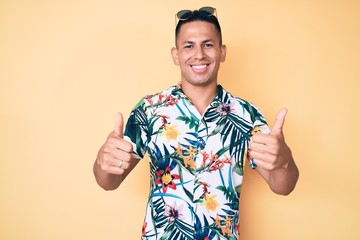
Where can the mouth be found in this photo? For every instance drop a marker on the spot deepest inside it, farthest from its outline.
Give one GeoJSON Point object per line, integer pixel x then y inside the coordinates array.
{"type": "Point", "coordinates": [200, 68]}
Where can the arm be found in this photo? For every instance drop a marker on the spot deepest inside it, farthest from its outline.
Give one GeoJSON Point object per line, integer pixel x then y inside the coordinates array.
{"type": "Point", "coordinates": [274, 159]}
{"type": "Point", "coordinates": [114, 160]}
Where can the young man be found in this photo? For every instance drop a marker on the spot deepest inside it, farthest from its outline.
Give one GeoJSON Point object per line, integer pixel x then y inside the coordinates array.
{"type": "Point", "coordinates": [198, 138]}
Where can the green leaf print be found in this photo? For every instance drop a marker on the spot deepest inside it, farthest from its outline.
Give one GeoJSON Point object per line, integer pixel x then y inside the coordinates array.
{"type": "Point", "coordinates": [191, 121]}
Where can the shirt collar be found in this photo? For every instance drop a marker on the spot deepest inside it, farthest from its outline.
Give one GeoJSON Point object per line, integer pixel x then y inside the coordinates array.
{"type": "Point", "coordinates": [179, 92]}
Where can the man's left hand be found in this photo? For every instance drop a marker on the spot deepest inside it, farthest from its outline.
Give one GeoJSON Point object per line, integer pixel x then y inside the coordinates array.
{"type": "Point", "coordinates": [269, 151]}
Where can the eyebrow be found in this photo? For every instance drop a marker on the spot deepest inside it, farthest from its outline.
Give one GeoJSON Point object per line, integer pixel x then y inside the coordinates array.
{"type": "Point", "coordinates": [191, 42]}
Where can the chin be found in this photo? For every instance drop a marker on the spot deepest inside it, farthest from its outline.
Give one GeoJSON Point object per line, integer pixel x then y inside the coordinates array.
{"type": "Point", "coordinates": [200, 83]}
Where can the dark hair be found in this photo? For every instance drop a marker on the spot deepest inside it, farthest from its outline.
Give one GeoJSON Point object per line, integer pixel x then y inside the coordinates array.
{"type": "Point", "coordinates": [199, 16]}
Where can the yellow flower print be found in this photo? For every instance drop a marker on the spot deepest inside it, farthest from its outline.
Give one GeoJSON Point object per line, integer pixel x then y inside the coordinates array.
{"type": "Point", "coordinates": [226, 230]}
{"type": "Point", "coordinates": [179, 150]}
{"type": "Point", "coordinates": [188, 161]}
{"type": "Point", "coordinates": [210, 202]}
{"type": "Point", "coordinates": [217, 221]}
{"type": "Point", "coordinates": [170, 132]}
{"type": "Point", "coordinates": [192, 151]}
{"type": "Point", "coordinates": [228, 221]}
{"type": "Point", "coordinates": [255, 130]}
{"type": "Point", "coordinates": [166, 178]}
{"type": "Point", "coordinates": [259, 129]}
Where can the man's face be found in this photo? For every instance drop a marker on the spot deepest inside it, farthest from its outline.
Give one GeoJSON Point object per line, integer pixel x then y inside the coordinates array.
{"type": "Point", "coordinates": [198, 53]}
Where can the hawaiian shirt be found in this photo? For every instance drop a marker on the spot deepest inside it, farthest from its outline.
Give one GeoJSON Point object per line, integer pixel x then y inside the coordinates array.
{"type": "Point", "coordinates": [196, 162]}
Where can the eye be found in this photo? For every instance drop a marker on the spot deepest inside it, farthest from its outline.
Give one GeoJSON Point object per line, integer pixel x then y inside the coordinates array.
{"type": "Point", "coordinates": [208, 45]}
{"type": "Point", "coordinates": [188, 46]}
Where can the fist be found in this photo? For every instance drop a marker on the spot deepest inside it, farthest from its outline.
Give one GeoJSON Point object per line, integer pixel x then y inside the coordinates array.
{"type": "Point", "coordinates": [270, 151]}
{"type": "Point", "coordinates": [116, 153]}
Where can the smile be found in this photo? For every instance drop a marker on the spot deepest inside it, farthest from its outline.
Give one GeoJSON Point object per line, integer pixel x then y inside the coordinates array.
{"type": "Point", "coordinates": [199, 68]}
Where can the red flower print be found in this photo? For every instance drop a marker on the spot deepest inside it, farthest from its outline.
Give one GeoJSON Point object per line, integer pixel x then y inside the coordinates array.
{"type": "Point", "coordinates": [205, 187]}
{"type": "Point", "coordinates": [165, 178]}
{"type": "Point", "coordinates": [149, 99]}
{"type": "Point", "coordinates": [144, 229]}
{"type": "Point", "coordinates": [219, 164]}
{"type": "Point", "coordinates": [164, 120]}
{"type": "Point", "coordinates": [170, 100]}
{"type": "Point", "coordinates": [213, 162]}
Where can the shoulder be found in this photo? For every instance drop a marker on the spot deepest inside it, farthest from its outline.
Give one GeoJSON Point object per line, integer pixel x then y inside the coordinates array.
{"type": "Point", "coordinates": [157, 98]}
{"type": "Point", "coordinates": [242, 106]}
{"type": "Point", "coordinates": [226, 97]}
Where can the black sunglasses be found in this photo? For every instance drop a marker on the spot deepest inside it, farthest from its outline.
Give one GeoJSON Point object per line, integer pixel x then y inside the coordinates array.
{"type": "Point", "coordinates": [186, 14]}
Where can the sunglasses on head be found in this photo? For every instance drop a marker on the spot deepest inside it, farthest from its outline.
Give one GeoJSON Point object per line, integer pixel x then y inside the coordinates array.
{"type": "Point", "coordinates": [186, 14]}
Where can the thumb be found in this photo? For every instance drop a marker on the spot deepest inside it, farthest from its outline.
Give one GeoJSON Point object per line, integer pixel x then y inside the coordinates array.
{"type": "Point", "coordinates": [279, 121]}
{"type": "Point", "coordinates": [119, 125]}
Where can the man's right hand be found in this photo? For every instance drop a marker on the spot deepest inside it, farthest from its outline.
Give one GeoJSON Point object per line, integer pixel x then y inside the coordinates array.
{"type": "Point", "coordinates": [114, 160]}
{"type": "Point", "coordinates": [115, 155]}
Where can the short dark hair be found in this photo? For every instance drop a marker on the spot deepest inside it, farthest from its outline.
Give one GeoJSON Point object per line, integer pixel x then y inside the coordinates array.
{"type": "Point", "coordinates": [199, 16]}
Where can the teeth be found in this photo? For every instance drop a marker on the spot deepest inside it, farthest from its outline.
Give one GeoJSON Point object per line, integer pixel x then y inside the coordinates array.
{"type": "Point", "coordinates": [199, 66]}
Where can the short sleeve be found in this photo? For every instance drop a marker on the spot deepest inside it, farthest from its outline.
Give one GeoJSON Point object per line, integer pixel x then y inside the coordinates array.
{"type": "Point", "coordinates": [259, 122]}
{"type": "Point", "coordinates": [259, 126]}
{"type": "Point", "coordinates": [136, 130]}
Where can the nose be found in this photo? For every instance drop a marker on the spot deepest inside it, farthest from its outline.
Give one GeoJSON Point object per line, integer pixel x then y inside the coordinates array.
{"type": "Point", "coordinates": [199, 53]}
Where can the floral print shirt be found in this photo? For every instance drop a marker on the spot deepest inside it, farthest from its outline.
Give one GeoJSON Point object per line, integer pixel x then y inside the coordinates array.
{"type": "Point", "coordinates": [196, 162]}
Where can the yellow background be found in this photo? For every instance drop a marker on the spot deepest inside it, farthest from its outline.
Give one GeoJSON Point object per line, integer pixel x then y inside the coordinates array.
{"type": "Point", "coordinates": [66, 67]}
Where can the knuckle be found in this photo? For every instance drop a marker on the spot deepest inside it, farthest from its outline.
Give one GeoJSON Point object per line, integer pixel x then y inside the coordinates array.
{"type": "Point", "coordinates": [106, 158]}
{"type": "Point", "coordinates": [108, 145]}
{"type": "Point", "coordinates": [125, 166]}
{"type": "Point", "coordinates": [126, 146]}
{"type": "Point", "coordinates": [128, 157]}
{"type": "Point", "coordinates": [110, 137]}
{"type": "Point", "coordinates": [130, 147]}
{"type": "Point", "coordinates": [105, 148]}
{"type": "Point", "coordinates": [110, 141]}
{"type": "Point", "coordinates": [104, 167]}
{"type": "Point", "coordinates": [121, 171]}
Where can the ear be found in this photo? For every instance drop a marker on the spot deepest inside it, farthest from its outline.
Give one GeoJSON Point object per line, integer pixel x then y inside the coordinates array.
{"type": "Point", "coordinates": [175, 56]}
{"type": "Point", "coordinates": [222, 53]}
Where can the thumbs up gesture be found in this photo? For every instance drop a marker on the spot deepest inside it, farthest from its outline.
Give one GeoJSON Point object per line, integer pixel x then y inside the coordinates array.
{"type": "Point", "coordinates": [269, 151]}
{"type": "Point", "coordinates": [114, 160]}
{"type": "Point", "coordinates": [119, 125]}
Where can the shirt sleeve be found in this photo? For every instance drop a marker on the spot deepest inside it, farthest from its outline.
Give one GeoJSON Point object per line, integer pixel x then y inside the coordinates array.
{"type": "Point", "coordinates": [259, 122]}
{"type": "Point", "coordinates": [136, 130]}
{"type": "Point", "coordinates": [259, 126]}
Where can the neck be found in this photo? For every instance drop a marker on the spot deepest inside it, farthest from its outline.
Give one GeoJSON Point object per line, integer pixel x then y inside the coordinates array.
{"type": "Point", "coordinates": [200, 96]}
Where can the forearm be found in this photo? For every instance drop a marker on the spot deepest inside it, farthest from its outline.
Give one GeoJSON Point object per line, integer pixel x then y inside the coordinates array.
{"type": "Point", "coordinates": [283, 180]}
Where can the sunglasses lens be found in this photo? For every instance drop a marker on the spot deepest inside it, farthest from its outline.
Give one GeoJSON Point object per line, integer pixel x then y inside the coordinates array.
{"type": "Point", "coordinates": [207, 10]}
{"type": "Point", "coordinates": [184, 14]}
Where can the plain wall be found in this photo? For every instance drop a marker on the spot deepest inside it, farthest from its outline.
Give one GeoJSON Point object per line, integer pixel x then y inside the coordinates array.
{"type": "Point", "coordinates": [66, 68]}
